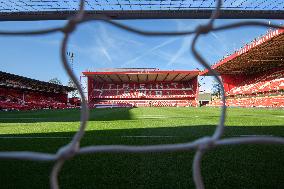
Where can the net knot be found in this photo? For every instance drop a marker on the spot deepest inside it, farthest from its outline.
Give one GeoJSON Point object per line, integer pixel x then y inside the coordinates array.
{"type": "Point", "coordinates": [67, 152]}
{"type": "Point", "coordinates": [204, 29]}
{"type": "Point", "coordinates": [205, 143]}
{"type": "Point", "coordinates": [70, 26]}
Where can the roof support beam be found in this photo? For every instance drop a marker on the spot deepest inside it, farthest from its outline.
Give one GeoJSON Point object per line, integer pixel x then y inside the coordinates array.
{"type": "Point", "coordinates": [143, 14]}
{"type": "Point", "coordinates": [184, 77]}
{"type": "Point", "coordinates": [166, 76]}
{"type": "Point", "coordinates": [156, 77]}
{"type": "Point", "coordinates": [175, 77]}
{"type": "Point", "coordinates": [128, 78]}
{"type": "Point", "coordinates": [111, 79]}
{"type": "Point", "coordinates": [101, 78]}
{"type": "Point", "coordinates": [119, 78]}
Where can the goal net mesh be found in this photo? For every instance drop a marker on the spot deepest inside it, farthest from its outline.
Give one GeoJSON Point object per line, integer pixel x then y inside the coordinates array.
{"type": "Point", "coordinates": [200, 146]}
{"type": "Point", "coordinates": [96, 5]}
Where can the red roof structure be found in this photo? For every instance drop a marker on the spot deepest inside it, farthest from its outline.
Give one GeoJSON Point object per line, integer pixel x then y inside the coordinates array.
{"type": "Point", "coordinates": [263, 54]}
{"type": "Point", "coordinates": [141, 75]}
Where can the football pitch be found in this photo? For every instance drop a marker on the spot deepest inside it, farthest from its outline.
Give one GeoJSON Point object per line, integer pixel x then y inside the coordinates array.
{"type": "Point", "coordinates": [239, 166]}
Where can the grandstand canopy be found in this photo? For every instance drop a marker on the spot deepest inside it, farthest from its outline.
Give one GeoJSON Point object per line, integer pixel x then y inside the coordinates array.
{"type": "Point", "coordinates": [9, 80]}
{"type": "Point", "coordinates": [264, 53]}
{"type": "Point", "coordinates": [141, 76]}
{"type": "Point", "coordinates": [139, 9]}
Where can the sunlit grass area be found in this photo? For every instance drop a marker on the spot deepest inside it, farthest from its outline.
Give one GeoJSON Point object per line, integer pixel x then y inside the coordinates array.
{"type": "Point", "coordinates": [246, 166]}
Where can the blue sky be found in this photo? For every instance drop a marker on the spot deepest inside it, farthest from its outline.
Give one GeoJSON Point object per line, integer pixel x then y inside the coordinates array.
{"type": "Point", "coordinates": [99, 45]}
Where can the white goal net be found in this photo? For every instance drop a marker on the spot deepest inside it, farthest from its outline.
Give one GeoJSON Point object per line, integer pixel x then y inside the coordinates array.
{"type": "Point", "coordinates": [200, 146]}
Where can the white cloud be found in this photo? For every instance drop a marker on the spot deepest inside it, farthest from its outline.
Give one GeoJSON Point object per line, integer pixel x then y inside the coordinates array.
{"type": "Point", "coordinates": [149, 51]}
{"type": "Point", "coordinates": [105, 52]}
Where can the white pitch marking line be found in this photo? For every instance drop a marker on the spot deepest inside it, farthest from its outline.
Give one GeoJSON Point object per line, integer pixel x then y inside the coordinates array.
{"type": "Point", "coordinates": [54, 137]}
{"type": "Point", "coordinates": [138, 136]}
{"type": "Point", "coordinates": [28, 137]}
{"type": "Point", "coordinates": [253, 135]}
{"type": "Point", "coordinates": [134, 136]}
{"type": "Point", "coordinates": [21, 118]}
{"type": "Point", "coordinates": [158, 117]}
{"type": "Point", "coordinates": [150, 115]}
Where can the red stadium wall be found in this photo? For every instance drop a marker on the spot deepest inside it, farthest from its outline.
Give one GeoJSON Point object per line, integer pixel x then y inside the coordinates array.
{"type": "Point", "coordinates": [259, 90]}
{"type": "Point", "coordinates": [272, 80]}
{"type": "Point", "coordinates": [232, 81]}
{"type": "Point", "coordinates": [143, 94]}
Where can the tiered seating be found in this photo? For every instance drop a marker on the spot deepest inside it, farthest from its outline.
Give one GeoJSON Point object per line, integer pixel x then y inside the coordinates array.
{"type": "Point", "coordinates": [158, 90]}
{"type": "Point", "coordinates": [144, 94]}
{"type": "Point", "coordinates": [268, 101]}
{"type": "Point", "coordinates": [41, 101]}
{"type": "Point", "coordinates": [22, 93]}
{"type": "Point", "coordinates": [271, 81]}
{"type": "Point", "coordinates": [12, 99]}
{"type": "Point", "coordinates": [259, 90]}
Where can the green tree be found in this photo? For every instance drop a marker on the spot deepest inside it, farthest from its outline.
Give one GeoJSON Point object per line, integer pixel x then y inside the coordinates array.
{"type": "Point", "coordinates": [216, 89]}
{"type": "Point", "coordinates": [55, 81]}
{"type": "Point", "coordinates": [74, 93]}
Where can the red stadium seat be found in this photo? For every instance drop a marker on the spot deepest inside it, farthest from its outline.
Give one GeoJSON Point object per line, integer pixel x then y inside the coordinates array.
{"type": "Point", "coordinates": [271, 81]}
{"type": "Point", "coordinates": [153, 94]}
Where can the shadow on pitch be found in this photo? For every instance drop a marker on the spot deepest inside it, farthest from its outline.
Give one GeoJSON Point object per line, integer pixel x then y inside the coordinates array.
{"type": "Point", "coordinates": [240, 166]}
{"type": "Point", "coordinates": [67, 115]}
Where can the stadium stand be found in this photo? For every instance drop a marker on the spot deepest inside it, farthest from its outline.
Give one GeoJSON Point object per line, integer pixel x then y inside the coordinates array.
{"type": "Point", "coordinates": [254, 75]}
{"type": "Point", "coordinates": [22, 93]}
{"type": "Point", "coordinates": [138, 87]}
{"type": "Point", "coordinates": [270, 81]}
{"type": "Point", "coordinates": [45, 10]}
{"type": "Point", "coordinates": [267, 101]}
{"type": "Point", "coordinates": [74, 101]}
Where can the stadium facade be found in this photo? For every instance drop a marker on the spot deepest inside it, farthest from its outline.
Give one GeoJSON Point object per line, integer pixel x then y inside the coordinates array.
{"type": "Point", "coordinates": [136, 87]}
{"type": "Point", "coordinates": [254, 75]}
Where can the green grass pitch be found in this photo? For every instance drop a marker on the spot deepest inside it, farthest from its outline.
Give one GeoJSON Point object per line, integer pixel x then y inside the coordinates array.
{"type": "Point", "coordinates": [240, 166]}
